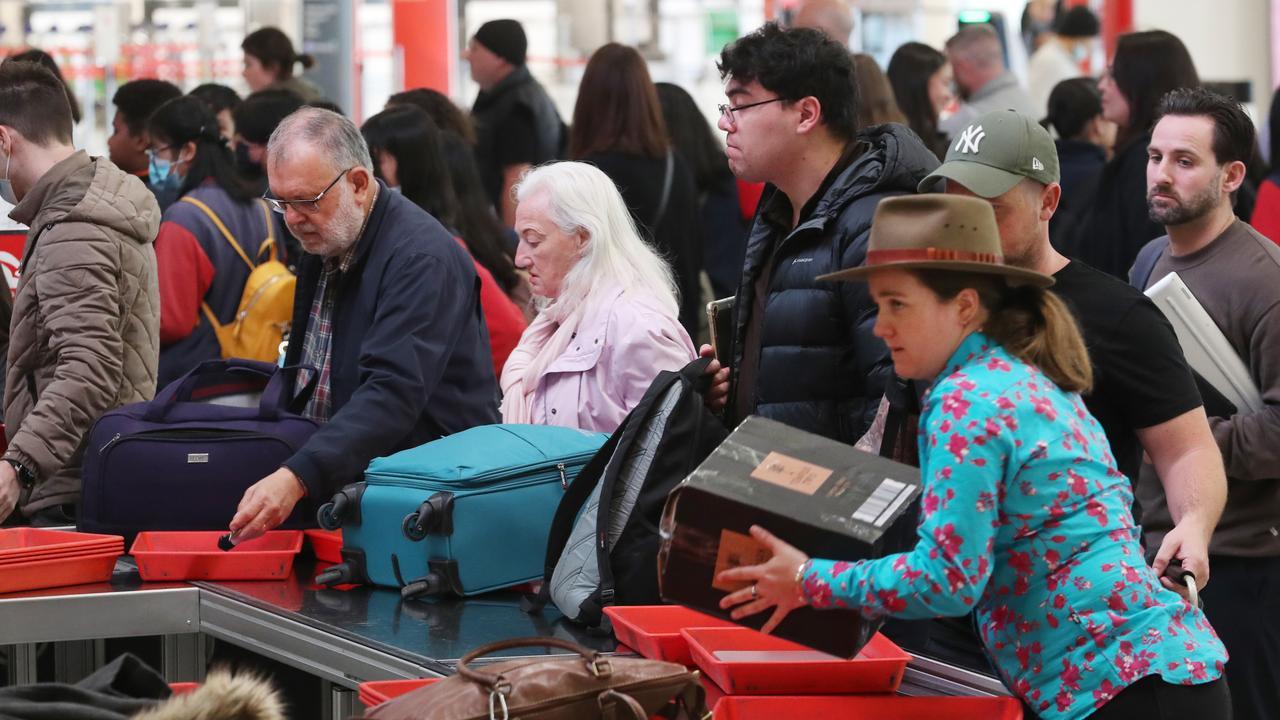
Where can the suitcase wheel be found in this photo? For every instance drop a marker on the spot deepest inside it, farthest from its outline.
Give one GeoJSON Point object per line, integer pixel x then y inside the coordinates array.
{"type": "Point", "coordinates": [339, 574]}
{"type": "Point", "coordinates": [415, 525]}
{"type": "Point", "coordinates": [432, 584]}
{"type": "Point", "coordinates": [329, 516]}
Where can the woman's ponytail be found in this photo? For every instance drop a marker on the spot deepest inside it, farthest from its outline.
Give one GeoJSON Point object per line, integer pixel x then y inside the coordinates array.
{"type": "Point", "coordinates": [1031, 323]}
{"type": "Point", "coordinates": [1037, 328]}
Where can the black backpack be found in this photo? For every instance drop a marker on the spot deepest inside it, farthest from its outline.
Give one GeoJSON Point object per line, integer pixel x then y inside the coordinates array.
{"type": "Point", "coordinates": [608, 554]}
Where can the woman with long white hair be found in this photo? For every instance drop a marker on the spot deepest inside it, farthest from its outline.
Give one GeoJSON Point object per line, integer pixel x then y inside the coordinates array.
{"type": "Point", "coordinates": [608, 320]}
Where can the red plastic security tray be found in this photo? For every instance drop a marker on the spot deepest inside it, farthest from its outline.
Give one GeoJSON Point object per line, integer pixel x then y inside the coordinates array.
{"type": "Point", "coordinates": [195, 556]}
{"type": "Point", "coordinates": [866, 707]}
{"type": "Point", "coordinates": [379, 691]}
{"type": "Point", "coordinates": [57, 572]}
{"type": "Point", "coordinates": [653, 631]}
{"type": "Point", "coordinates": [746, 662]}
{"type": "Point", "coordinates": [326, 544]}
{"type": "Point", "coordinates": [21, 544]}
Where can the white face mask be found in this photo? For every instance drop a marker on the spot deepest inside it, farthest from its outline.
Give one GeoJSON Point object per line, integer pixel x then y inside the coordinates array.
{"type": "Point", "coordinates": [6, 185]}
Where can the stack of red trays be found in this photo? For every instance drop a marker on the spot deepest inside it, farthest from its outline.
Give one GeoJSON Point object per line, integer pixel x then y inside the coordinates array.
{"type": "Point", "coordinates": [33, 558]}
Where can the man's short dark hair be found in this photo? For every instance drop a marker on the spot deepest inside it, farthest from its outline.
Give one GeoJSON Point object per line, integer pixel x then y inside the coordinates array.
{"type": "Point", "coordinates": [137, 99]}
{"type": "Point", "coordinates": [216, 97]}
{"type": "Point", "coordinates": [1233, 132]}
{"type": "Point", "coordinates": [260, 113]}
{"type": "Point", "coordinates": [794, 64]}
{"type": "Point", "coordinates": [33, 101]}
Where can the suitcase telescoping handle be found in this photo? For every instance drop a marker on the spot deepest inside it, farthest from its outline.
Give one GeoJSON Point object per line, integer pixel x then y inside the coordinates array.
{"type": "Point", "coordinates": [275, 396]}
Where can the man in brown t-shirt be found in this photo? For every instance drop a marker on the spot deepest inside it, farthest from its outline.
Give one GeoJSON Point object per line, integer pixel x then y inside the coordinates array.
{"type": "Point", "coordinates": [1196, 163]}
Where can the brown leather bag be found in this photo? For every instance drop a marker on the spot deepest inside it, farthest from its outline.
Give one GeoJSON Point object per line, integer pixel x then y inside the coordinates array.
{"type": "Point", "coordinates": [554, 687]}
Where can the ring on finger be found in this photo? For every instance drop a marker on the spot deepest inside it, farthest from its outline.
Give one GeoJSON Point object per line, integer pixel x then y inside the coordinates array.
{"type": "Point", "coordinates": [754, 593]}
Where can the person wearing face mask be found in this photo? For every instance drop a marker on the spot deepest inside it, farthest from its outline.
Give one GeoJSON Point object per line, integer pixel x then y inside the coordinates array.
{"type": "Point", "coordinates": [1061, 53]}
{"type": "Point", "coordinates": [84, 337]}
{"type": "Point", "coordinates": [202, 269]}
{"type": "Point", "coordinates": [134, 102]}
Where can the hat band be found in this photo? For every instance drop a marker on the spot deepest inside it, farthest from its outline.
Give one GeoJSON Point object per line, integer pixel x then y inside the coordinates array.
{"type": "Point", "coordinates": [887, 257]}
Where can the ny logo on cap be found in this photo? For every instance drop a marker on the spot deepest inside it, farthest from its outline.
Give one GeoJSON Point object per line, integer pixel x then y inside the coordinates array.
{"type": "Point", "coordinates": [970, 139]}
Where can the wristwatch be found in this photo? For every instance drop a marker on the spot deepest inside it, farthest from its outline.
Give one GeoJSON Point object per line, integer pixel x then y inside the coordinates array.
{"type": "Point", "coordinates": [26, 478]}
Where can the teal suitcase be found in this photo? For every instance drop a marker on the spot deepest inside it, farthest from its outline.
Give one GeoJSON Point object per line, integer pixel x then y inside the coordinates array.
{"type": "Point", "coordinates": [464, 514]}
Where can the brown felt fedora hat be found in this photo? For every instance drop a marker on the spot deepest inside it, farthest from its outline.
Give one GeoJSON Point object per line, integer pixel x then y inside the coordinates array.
{"type": "Point", "coordinates": [937, 232]}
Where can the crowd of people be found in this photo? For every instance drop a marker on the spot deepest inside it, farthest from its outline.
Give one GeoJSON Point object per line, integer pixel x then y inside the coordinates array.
{"type": "Point", "coordinates": [934, 241]}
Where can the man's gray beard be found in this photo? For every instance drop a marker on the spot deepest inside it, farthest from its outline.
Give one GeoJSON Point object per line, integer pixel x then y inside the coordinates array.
{"type": "Point", "coordinates": [346, 227]}
{"type": "Point", "coordinates": [343, 230]}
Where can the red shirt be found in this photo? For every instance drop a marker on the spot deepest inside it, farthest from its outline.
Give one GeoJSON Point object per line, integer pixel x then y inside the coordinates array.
{"type": "Point", "coordinates": [502, 316]}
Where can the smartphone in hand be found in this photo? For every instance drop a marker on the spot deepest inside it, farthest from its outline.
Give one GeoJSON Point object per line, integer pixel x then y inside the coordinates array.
{"type": "Point", "coordinates": [720, 323]}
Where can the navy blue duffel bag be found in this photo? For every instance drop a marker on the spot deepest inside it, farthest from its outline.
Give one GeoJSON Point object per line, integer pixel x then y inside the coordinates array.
{"type": "Point", "coordinates": [184, 460]}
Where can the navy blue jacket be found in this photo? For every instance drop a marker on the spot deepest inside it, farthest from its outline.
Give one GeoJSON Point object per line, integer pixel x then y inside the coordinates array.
{"type": "Point", "coordinates": [821, 368]}
{"type": "Point", "coordinates": [411, 359]}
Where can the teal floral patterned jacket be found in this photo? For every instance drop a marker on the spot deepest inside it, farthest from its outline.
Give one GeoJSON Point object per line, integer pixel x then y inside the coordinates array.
{"type": "Point", "coordinates": [1025, 519]}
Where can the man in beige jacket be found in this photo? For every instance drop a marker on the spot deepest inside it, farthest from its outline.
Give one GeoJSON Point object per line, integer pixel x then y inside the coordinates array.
{"type": "Point", "coordinates": [84, 337]}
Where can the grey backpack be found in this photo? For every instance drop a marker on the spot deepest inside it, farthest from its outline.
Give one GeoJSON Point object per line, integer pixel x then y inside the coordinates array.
{"type": "Point", "coordinates": [603, 546]}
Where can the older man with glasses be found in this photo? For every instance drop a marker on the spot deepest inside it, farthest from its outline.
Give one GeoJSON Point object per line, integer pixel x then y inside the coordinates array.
{"type": "Point", "coordinates": [387, 312]}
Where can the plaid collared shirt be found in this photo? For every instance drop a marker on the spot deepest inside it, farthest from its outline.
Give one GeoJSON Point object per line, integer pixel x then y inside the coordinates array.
{"type": "Point", "coordinates": [318, 345]}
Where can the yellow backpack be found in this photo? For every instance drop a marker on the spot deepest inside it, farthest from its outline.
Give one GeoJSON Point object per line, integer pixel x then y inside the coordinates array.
{"type": "Point", "coordinates": [266, 305]}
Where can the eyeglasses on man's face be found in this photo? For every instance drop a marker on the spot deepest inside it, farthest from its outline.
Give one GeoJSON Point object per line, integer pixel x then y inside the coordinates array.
{"type": "Point", "coordinates": [303, 206]}
{"type": "Point", "coordinates": [727, 111]}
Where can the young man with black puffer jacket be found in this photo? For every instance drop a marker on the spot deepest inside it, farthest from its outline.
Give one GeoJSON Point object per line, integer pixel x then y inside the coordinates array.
{"type": "Point", "coordinates": [804, 351]}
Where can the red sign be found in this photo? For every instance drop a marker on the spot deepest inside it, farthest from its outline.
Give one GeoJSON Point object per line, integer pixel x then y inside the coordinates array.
{"type": "Point", "coordinates": [11, 244]}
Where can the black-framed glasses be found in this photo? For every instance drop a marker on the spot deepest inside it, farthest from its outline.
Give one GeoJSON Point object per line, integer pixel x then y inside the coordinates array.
{"type": "Point", "coordinates": [727, 111]}
{"type": "Point", "coordinates": [303, 206]}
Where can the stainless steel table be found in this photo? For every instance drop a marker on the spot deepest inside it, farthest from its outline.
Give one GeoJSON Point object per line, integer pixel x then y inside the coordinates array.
{"type": "Point", "coordinates": [356, 634]}
{"type": "Point", "coordinates": [79, 618]}
{"type": "Point", "coordinates": [342, 636]}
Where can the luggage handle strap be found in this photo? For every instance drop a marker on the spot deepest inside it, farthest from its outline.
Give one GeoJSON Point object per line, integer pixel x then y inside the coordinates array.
{"type": "Point", "coordinates": [497, 684]}
{"type": "Point", "coordinates": [274, 395]}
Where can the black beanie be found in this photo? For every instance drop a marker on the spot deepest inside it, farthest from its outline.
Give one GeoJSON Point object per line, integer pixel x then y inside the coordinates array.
{"type": "Point", "coordinates": [1078, 22]}
{"type": "Point", "coordinates": [504, 38]}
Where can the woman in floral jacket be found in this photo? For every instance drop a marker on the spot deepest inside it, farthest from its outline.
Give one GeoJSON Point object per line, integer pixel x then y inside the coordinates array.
{"type": "Point", "coordinates": [1024, 517]}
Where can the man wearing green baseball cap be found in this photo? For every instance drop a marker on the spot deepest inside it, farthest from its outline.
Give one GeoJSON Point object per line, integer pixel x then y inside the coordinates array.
{"type": "Point", "coordinates": [1144, 393]}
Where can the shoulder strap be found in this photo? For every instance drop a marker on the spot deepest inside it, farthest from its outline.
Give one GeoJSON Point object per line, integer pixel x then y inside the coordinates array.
{"type": "Point", "coordinates": [269, 245]}
{"type": "Point", "coordinates": [1140, 273]}
{"type": "Point", "coordinates": [213, 320]}
{"type": "Point", "coordinates": [667, 178]}
{"type": "Point", "coordinates": [221, 228]}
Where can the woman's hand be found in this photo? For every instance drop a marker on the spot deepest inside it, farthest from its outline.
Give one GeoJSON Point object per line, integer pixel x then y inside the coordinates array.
{"type": "Point", "coordinates": [773, 583]}
{"type": "Point", "coordinates": [718, 394]}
